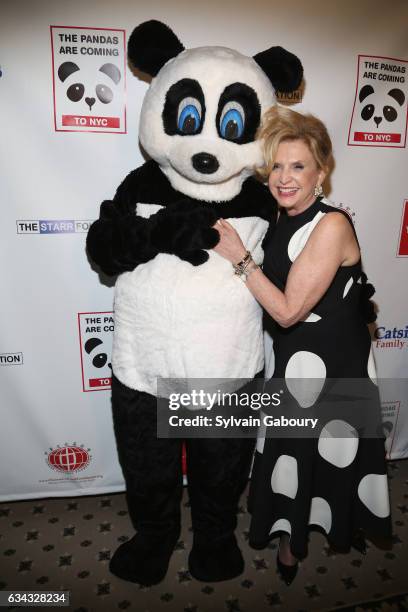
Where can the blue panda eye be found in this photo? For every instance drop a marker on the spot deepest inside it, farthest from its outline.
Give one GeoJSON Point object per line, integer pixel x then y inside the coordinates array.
{"type": "Point", "coordinates": [232, 121]}
{"type": "Point", "coordinates": [189, 116]}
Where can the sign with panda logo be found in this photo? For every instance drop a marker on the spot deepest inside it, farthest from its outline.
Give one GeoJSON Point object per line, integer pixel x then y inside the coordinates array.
{"type": "Point", "coordinates": [379, 117]}
{"type": "Point", "coordinates": [95, 339]}
{"type": "Point", "coordinates": [89, 79]}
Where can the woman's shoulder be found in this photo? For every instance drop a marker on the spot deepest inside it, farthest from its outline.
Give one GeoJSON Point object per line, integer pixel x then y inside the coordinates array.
{"type": "Point", "coordinates": [334, 223]}
{"type": "Point", "coordinates": [334, 216]}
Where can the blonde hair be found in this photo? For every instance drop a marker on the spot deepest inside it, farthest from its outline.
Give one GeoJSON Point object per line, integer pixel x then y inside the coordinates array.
{"type": "Point", "coordinates": [282, 124]}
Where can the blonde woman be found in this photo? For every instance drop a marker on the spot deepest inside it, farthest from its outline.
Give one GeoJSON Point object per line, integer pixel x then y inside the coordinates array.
{"type": "Point", "coordinates": [315, 297]}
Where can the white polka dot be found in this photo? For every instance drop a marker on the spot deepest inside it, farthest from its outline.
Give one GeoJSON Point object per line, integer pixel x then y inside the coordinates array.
{"type": "Point", "coordinates": [338, 443]}
{"type": "Point", "coordinates": [373, 492]}
{"type": "Point", "coordinates": [305, 376]}
{"type": "Point", "coordinates": [348, 286]}
{"type": "Point", "coordinates": [360, 280]}
{"type": "Point", "coordinates": [305, 364]}
{"type": "Point", "coordinates": [269, 356]}
{"type": "Point", "coordinates": [372, 372]}
{"type": "Point", "coordinates": [320, 513]}
{"type": "Point", "coordinates": [299, 238]}
{"type": "Point", "coordinates": [281, 525]}
{"type": "Point", "coordinates": [260, 438]}
{"type": "Point", "coordinates": [312, 318]}
{"type": "Point", "coordinates": [285, 476]}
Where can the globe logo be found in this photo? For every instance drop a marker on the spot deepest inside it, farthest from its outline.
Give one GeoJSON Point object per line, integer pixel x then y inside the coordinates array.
{"type": "Point", "coordinates": [69, 459]}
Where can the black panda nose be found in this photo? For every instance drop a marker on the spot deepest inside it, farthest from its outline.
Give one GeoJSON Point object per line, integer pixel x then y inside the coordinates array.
{"type": "Point", "coordinates": [377, 120]}
{"type": "Point", "coordinates": [90, 102]}
{"type": "Point", "coordinates": [205, 163]}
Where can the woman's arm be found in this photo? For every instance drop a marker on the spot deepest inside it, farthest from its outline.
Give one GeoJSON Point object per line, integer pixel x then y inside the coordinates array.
{"type": "Point", "coordinates": [330, 245]}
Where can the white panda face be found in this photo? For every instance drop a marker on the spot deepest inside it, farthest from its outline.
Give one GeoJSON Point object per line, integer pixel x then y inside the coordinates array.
{"type": "Point", "coordinates": [199, 119]}
{"type": "Point", "coordinates": [86, 88]}
{"type": "Point", "coordinates": [378, 108]}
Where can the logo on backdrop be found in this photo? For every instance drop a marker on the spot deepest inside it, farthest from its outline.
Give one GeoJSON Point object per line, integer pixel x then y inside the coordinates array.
{"type": "Point", "coordinates": [391, 337]}
{"type": "Point", "coordinates": [95, 339]}
{"type": "Point", "coordinates": [52, 226]}
{"type": "Point", "coordinates": [7, 359]}
{"type": "Point", "coordinates": [403, 239]}
{"type": "Point", "coordinates": [68, 458]}
{"type": "Point", "coordinates": [293, 97]}
{"type": "Point", "coordinates": [89, 79]}
{"type": "Point", "coordinates": [379, 117]}
{"type": "Point", "coordinates": [389, 416]}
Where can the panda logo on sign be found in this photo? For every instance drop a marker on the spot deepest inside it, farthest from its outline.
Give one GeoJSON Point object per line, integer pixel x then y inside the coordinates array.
{"type": "Point", "coordinates": [180, 312]}
{"type": "Point", "coordinates": [100, 357]}
{"type": "Point", "coordinates": [75, 92]}
{"type": "Point", "coordinates": [387, 110]}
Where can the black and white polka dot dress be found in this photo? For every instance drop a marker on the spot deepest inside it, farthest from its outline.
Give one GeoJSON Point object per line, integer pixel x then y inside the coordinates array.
{"type": "Point", "coordinates": [337, 484]}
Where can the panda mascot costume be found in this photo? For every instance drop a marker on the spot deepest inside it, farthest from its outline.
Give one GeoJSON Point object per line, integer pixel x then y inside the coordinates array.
{"type": "Point", "coordinates": [179, 310]}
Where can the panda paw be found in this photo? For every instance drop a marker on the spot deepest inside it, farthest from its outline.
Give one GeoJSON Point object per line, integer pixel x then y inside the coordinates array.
{"type": "Point", "coordinates": [185, 230]}
{"type": "Point", "coordinates": [118, 243]}
{"type": "Point", "coordinates": [196, 258]}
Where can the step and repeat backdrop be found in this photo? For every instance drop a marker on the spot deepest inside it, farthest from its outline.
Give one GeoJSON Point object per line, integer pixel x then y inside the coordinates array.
{"type": "Point", "coordinates": [69, 132]}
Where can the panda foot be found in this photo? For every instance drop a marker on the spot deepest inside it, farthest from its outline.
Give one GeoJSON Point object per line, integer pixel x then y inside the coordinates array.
{"type": "Point", "coordinates": [222, 561]}
{"type": "Point", "coordinates": [145, 558]}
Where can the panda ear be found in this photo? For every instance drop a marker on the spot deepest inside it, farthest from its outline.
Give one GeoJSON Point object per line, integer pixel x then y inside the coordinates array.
{"type": "Point", "coordinates": [283, 69]}
{"type": "Point", "coordinates": [151, 45]}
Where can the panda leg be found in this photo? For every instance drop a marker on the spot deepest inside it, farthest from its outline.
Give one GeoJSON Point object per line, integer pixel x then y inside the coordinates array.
{"type": "Point", "coordinates": [152, 470]}
{"type": "Point", "coordinates": [218, 471]}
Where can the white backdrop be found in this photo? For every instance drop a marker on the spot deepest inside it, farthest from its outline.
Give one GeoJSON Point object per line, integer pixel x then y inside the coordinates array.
{"type": "Point", "coordinates": [56, 430]}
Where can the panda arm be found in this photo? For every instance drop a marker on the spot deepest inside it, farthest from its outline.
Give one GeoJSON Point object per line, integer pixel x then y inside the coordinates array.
{"type": "Point", "coordinates": [120, 240]}
{"type": "Point", "coordinates": [118, 243]}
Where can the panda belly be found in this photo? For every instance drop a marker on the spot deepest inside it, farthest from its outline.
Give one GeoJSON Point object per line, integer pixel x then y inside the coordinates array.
{"type": "Point", "coordinates": [175, 320]}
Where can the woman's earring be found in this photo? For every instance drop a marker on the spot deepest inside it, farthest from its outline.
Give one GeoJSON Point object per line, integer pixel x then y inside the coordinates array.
{"type": "Point", "coordinates": [318, 190]}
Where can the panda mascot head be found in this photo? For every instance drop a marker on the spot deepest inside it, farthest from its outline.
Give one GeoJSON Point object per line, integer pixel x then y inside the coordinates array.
{"type": "Point", "coordinates": [201, 112]}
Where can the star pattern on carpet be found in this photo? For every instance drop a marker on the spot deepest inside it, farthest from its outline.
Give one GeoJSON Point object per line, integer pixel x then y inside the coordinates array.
{"type": "Point", "coordinates": [312, 591]}
{"type": "Point", "coordinates": [32, 535]}
{"type": "Point", "coordinates": [65, 560]}
{"type": "Point", "coordinates": [104, 555]}
{"type": "Point", "coordinates": [184, 575]}
{"type": "Point", "coordinates": [103, 588]}
{"type": "Point", "coordinates": [273, 598]}
{"type": "Point", "coordinates": [68, 531]}
{"type": "Point", "coordinates": [349, 583]}
{"type": "Point", "coordinates": [61, 546]}
{"type": "Point", "coordinates": [260, 564]}
{"type": "Point", "coordinates": [25, 566]}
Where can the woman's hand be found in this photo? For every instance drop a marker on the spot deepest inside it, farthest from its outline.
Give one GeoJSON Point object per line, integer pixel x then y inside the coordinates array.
{"type": "Point", "coordinates": [230, 245]}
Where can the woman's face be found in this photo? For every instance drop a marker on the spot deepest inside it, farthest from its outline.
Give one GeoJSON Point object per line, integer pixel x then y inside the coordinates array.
{"type": "Point", "coordinates": [294, 176]}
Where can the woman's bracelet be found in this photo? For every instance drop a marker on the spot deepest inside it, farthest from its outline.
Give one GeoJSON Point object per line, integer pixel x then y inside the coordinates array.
{"type": "Point", "coordinates": [241, 264]}
{"type": "Point", "coordinates": [245, 267]}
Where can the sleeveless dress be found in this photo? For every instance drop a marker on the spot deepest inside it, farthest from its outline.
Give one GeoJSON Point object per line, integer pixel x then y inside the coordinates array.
{"type": "Point", "coordinates": [337, 484]}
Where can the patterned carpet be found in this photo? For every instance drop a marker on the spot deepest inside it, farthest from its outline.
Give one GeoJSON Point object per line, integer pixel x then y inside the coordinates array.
{"type": "Point", "coordinates": [66, 543]}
